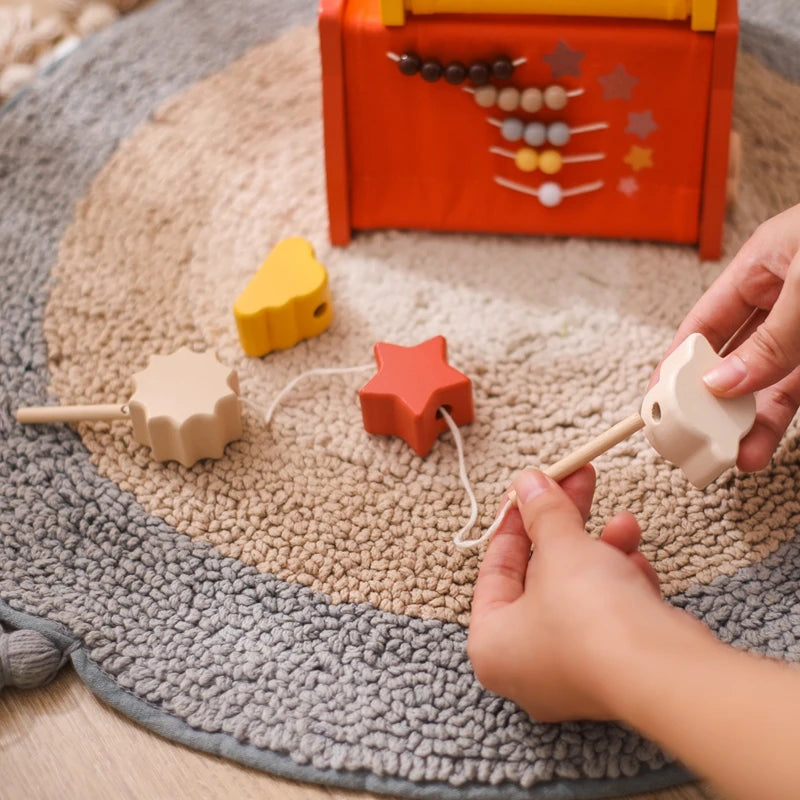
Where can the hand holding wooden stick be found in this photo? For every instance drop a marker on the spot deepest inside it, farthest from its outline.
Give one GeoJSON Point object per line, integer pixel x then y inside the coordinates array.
{"type": "Point", "coordinates": [591, 450]}
{"type": "Point", "coordinates": [685, 423]}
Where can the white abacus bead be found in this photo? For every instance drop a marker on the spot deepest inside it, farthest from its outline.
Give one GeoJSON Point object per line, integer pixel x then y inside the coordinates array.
{"type": "Point", "coordinates": [550, 194]}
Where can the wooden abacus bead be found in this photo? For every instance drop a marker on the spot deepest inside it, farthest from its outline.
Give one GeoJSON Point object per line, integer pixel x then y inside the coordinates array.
{"type": "Point", "coordinates": [558, 133]}
{"type": "Point", "coordinates": [550, 194]}
{"type": "Point", "coordinates": [431, 70]}
{"type": "Point", "coordinates": [535, 134]}
{"type": "Point", "coordinates": [486, 96]}
{"type": "Point", "coordinates": [502, 68]}
{"type": "Point", "coordinates": [555, 97]}
{"type": "Point", "coordinates": [550, 162]}
{"type": "Point", "coordinates": [531, 100]}
{"type": "Point", "coordinates": [526, 159]}
{"type": "Point", "coordinates": [409, 63]}
{"type": "Point", "coordinates": [479, 72]}
{"type": "Point", "coordinates": [512, 129]}
{"type": "Point", "coordinates": [455, 72]}
{"type": "Point", "coordinates": [508, 99]}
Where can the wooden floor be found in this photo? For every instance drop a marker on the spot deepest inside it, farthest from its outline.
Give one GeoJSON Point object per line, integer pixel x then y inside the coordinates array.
{"type": "Point", "coordinates": [62, 743]}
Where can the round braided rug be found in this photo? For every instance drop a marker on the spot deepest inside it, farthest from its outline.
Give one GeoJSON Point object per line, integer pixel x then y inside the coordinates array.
{"type": "Point", "coordinates": [298, 605]}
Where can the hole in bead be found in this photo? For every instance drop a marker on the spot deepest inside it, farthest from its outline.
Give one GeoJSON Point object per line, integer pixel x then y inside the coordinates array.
{"type": "Point", "coordinates": [448, 409]}
{"type": "Point", "coordinates": [320, 309]}
{"type": "Point", "coordinates": [655, 412]}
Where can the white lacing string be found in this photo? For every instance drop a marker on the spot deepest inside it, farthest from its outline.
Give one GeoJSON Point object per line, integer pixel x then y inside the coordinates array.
{"type": "Point", "coordinates": [268, 414]}
{"type": "Point", "coordinates": [459, 539]}
{"type": "Point", "coordinates": [492, 529]}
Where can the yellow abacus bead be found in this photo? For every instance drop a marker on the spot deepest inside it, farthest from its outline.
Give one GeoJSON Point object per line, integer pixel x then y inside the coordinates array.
{"type": "Point", "coordinates": [550, 162]}
{"type": "Point", "coordinates": [526, 159]}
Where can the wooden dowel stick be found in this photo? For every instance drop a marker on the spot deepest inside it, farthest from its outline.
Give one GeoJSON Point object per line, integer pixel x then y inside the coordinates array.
{"type": "Point", "coordinates": [597, 446]}
{"type": "Point", "coordinates": [34, 414]}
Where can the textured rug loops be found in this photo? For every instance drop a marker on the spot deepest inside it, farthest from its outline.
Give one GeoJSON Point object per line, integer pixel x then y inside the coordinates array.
{"type": "Point", "coordinates": [298, 604]}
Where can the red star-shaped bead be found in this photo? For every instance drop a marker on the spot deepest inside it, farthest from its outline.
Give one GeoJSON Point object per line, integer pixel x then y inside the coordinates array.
{"type": "Point", "coordinates": [412, 384]}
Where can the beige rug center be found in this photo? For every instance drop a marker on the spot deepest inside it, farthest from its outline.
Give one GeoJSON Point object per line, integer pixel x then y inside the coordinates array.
{"type": "Point", "coordinates": [559, 337]}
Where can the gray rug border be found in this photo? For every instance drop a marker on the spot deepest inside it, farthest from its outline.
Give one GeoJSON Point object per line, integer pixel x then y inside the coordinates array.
{"type": "Point", "coordinates": [778, 50]}
{"type": "Point", "coordinates": [267, 761]}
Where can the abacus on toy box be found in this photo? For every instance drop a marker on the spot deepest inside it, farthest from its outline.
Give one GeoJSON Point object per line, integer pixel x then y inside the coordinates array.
{"type": "Point", "coordinates": [610, 118]}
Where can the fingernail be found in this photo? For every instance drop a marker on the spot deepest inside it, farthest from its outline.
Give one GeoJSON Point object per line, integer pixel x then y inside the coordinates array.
{"type": "Point", "coordinates": [529, 484]}
{"type": "Point", "coordinates": [728, 374]}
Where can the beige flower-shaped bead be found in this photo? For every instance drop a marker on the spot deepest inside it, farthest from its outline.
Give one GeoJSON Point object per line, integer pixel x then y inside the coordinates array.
{"type": "Point", "coordinates": [185, 406]}
{"type": "Point", "coordinates": [687, 424]}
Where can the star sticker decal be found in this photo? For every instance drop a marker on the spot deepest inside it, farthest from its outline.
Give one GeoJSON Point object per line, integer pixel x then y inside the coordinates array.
{"type": "Point", "coordinates": [641, 123]}
{"type": "Point", "coordinates": [411, 385]}
{"type": "Point", "coordinates": [564, 60]}
{"type": "Point", "coordinates": [639, 157]}
{"type": "Point", "coordinates": [617, 84]}
{"type": "Point", "coordinates": [628, 186]}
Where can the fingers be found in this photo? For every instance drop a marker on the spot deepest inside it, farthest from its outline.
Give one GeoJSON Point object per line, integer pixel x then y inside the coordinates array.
{"type": "Point", "coordinates": [762, 275]}
{"type": "Point", "coordinates": [546, 509]}
{"type": "Point", "coordinates": [622, 532]}
{"type": "Point", "coordinates": [579, 487]}
{"type": "Point", "coordinates": [501, 577]}
{"type": "Point", "coordinates": [502, 574]}
{"type": "Point", "coordinates": [775, 409]}
{"type": "Point", "coordinates": [773, 350]}
{"type": "Point", "coordinates": [647, 570]}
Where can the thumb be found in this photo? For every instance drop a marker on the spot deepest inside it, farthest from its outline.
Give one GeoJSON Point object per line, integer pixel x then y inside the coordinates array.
{"type": "Point", "coordinates": [770, 353]}
{"type": "Point", "coordinates": [546, 509]}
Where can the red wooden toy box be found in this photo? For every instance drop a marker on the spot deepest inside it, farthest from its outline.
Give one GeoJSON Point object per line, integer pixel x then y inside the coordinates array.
{"type": "Point", "coordinates": [639, 150]}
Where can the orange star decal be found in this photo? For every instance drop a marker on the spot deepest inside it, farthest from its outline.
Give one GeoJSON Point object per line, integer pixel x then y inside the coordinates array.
{"type": "Point", "coordinates": [639, 157]}
{"type": "Point", "coordinates": [403, 399]}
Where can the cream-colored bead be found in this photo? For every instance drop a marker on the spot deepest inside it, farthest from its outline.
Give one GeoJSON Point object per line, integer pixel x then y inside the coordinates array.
{"type": "Point", "coordinates": [508, 99]}
{"type": "Point", "coordinates": [531, 100]}
{"type": "Point", "coordinates": [486, 96]}
{"type": "Point", "coordinates": [555, 97]}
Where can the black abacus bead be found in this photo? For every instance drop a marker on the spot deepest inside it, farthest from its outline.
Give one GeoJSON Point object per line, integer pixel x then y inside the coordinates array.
{"type": "Point", "coordinates": [479, 72]}
{"type": "Point", "coordinates": [502, 68]}
{"type": "Point", "coordinates": [455, 72]}
{"type": "Point", "coordinates": [431, 70]}
{"type": "Point", "coordinates": [409, 64]}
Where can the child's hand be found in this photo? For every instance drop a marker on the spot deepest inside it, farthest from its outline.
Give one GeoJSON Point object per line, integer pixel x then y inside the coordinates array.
{"type": "Point", "coordinates": [763, 280]}
{"type": "Point", "coordinates": [546, 632]}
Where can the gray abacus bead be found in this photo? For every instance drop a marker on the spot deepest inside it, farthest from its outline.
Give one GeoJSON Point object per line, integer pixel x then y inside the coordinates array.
{"type": "Point", "coordinates": [535, 134]}
{"type": "Point", "coordinates": [558, 133]}
{"type": "Point", "coordinates": [512, 129]}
